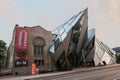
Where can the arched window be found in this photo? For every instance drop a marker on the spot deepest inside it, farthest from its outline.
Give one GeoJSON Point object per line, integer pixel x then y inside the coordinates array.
{"type": "Point", "coordinates": [39, 44]}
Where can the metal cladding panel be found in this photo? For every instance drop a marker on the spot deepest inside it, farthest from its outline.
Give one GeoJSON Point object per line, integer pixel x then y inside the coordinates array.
{"type": "Point", "coordinates": [91, 34]}
{"type": "Point", "coordinates": [103, 53]}
{"type": "Point", "coordinates": [21, 55]}
{"type": "Point", "coordinates": [90, 55]}
{"type": "Point", "coordinates": [100, 53]}
{"type": "Point", "coordinates": [96, 60]}
{"type": "Point", "coordinates": [83, 33]}
{"type": "Point", "coordinates": [62, 47]}
{"type": "Point", "coordinates": [63, 30]}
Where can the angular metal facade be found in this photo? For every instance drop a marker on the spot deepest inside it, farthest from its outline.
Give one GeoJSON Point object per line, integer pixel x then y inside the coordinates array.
{"type": "Point", "coordinates": [73, 43]}
{"type": "Point", "coordinates": [103, 54]}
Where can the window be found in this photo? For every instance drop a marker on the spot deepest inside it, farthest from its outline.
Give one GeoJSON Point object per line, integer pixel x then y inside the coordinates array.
{"type": "Point", "coordinates": [39, 44]}
{"type": "Point", "coordinates": [38, 50]}
{"type": "Point", "coordinates": [39, 62]}
{"type": "Point", "coordinates": [57, 42]}
{"type": "Point", "coordinates": [42, 62]}
{"type": "Point", "coordinates": [35, 50]}
{"type": "Point", "coordinates": [90, 45]}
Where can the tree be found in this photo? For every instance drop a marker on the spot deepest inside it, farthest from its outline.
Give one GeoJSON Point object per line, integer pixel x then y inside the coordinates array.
{"type": "Point", "coordinates": [2, 49]}
{"type": "Point", "coordinates": [117, 50]}
{"type": "Point", "coordinates": [118, 59]}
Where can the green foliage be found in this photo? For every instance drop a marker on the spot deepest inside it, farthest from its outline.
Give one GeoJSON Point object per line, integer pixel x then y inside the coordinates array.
{"type": "Point", "coordinates": [2, 44]}
{"type": "Point", "coordinates": [117, 49]}
{"type": "Point", "coordinates": [118, 59]}
{"type": "Point", "coordinates": [2, 48]}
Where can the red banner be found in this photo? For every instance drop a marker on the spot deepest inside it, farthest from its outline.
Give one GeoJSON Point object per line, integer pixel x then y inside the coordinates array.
{"type": "Point", "coordinates": [21, 56]}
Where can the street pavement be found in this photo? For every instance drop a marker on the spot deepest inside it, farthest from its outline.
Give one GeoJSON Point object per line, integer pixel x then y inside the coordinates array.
{"type": "Point", "coordinates": [110, 72]}
{"type": "Point", "coordinates": [101, 74]}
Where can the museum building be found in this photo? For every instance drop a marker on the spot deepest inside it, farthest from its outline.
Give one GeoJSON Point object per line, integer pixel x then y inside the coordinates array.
{"type": "Point", "coordinates": [66, 47]}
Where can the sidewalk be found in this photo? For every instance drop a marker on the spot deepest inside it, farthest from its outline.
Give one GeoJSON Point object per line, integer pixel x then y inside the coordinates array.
{"type": "Point", "coordinates": [57, 73]}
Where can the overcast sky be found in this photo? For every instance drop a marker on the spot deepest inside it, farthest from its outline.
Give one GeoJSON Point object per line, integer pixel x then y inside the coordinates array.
{"type": "Point", "coordinates": [104, 16]}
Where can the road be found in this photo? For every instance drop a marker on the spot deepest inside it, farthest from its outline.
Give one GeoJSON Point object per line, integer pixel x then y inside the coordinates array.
{"type": "Point", "coordinates": [101, 74]}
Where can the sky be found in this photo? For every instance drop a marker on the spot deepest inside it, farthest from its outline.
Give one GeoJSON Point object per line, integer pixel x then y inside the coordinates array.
{"type": "Point", "coordinates": [103, 15]}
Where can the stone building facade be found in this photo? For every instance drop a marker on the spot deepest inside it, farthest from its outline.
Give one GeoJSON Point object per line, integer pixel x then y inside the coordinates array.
{"type": "Point", "coordinates": [39, 41]}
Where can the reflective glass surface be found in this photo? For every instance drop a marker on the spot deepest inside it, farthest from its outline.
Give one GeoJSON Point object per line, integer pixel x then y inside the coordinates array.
{"type": "Point", "coordinates": [62, 31]}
